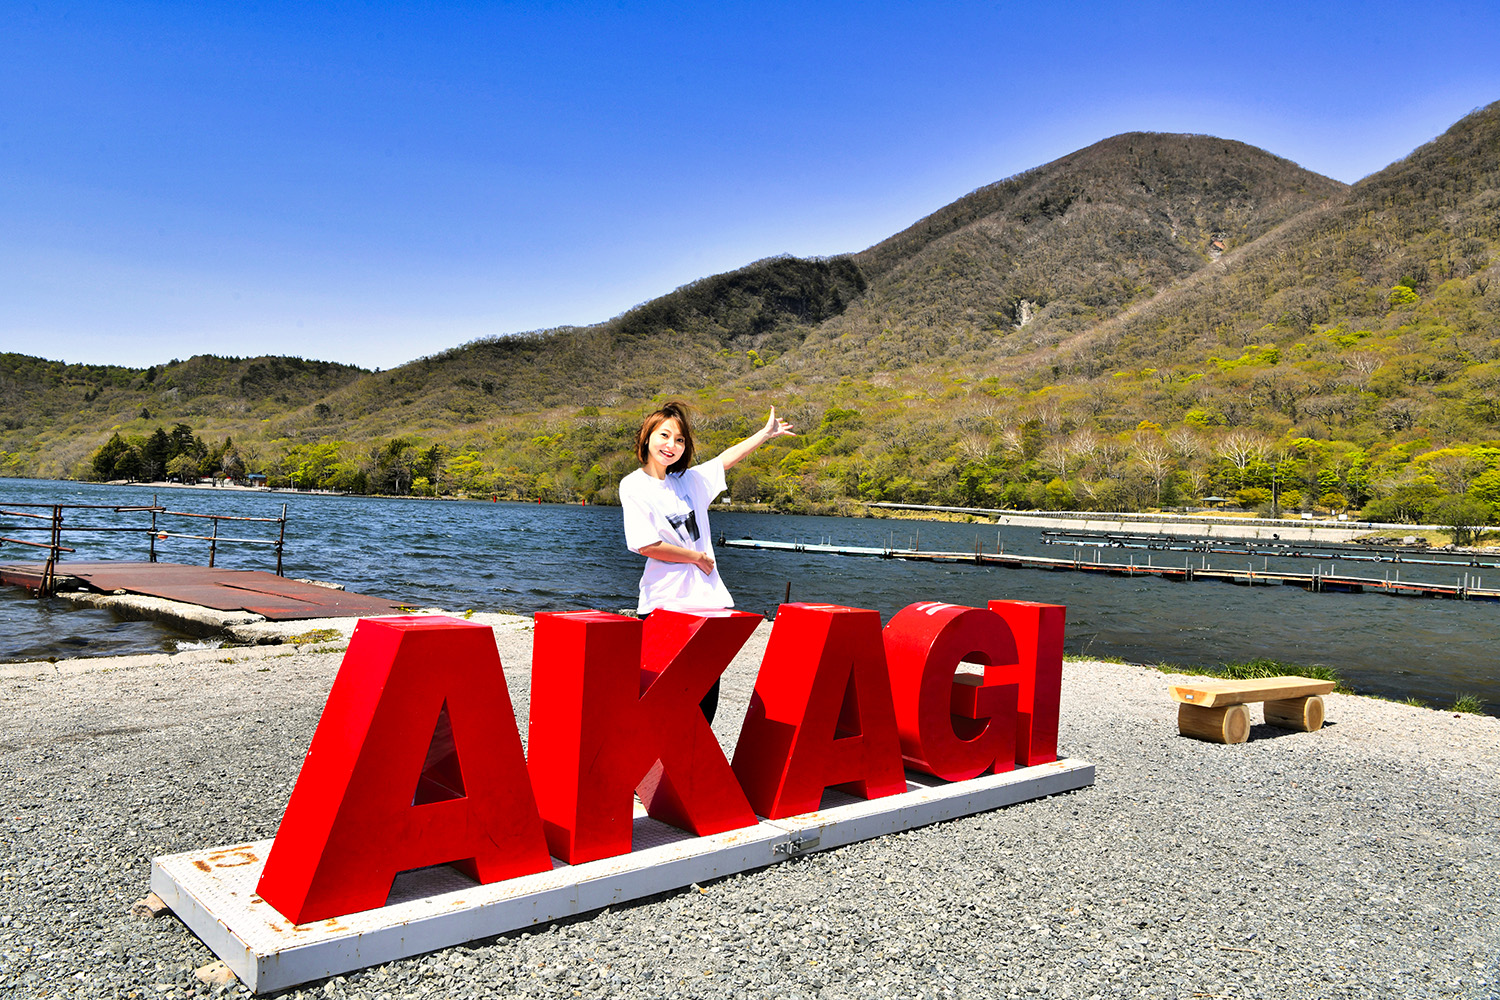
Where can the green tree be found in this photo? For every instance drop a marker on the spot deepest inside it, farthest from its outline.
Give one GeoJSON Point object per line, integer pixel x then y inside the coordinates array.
{"type": "Point", "coordinates": [394, 467]}
{"type": "Point", "coordinates": [183, 442]}
{"type": "Point", "coordinates": [1409, 504]}
{"type": "Point", "coordinates": [466, 473]}
{"type": "Point", "coordinates": [155, 455]}
{"type": "Point", "coordinates": [429, 466]}
{"type": "Point", "coordinates": [1463, 517]}
{"type": "Point", "coordinates": [103, 462]}
{"type": "Point", "coordinates": [1487, 487]}
{"type": "Point", "coordinates": [1401, 296]}
{"type": "Point", "coordinates": [183, 468]}
{"type": "Point", "coordinates": [1334, 501]}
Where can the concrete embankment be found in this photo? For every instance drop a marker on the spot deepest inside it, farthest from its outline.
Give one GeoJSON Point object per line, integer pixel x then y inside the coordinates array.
{"type": "Point", "coordinates": [1358, 861]}
{"type": "Point", "coordinates": [1180, 526]}
{"type": "Point", "coordinates": [1286, 531]}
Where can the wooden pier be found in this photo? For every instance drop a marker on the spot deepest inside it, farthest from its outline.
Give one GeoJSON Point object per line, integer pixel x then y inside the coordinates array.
{"type": "Point", "coordinates": [266, 594]}
{"type": "Point", "coordinates": [1467, 587]}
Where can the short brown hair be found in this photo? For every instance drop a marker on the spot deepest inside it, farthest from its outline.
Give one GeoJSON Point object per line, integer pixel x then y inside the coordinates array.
{"type": "Point", "coordinates": [669, 411]}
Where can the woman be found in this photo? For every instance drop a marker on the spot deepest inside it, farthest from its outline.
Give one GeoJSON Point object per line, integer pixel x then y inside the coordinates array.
{"type": "Point", "coordinates": [666, 505]}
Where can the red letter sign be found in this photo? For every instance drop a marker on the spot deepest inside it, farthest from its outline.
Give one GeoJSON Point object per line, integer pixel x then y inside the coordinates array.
{"type": "Point", "coordinates": [416, 761]}
{"type": "Point", "coordinates": [821, 714]}
{"type": "Point", "coordinates": [1038, 631]}
{"type": "Point", "coordinates": [952, 727]}
{"type": "Point", "coordinates": [609, 713]}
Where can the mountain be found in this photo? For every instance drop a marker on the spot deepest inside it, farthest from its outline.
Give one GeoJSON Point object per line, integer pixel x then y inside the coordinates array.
{"type": "Point", "coordinates": [1079, 238]}
{"type": "Point", "coordinates": [1378, 307]}
{"type": "Point", "coordinates": [56, 414]}
{"type": "Point", "coordinates": [1055, 250]}
{"type": "Point", "coordinates": [1148, 319]}
{"type": "Point", "coordinates": [698, 333]}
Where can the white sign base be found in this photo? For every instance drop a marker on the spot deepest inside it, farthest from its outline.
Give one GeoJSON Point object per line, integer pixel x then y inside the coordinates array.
{"type": "Point", "coordinates": [213, 891]}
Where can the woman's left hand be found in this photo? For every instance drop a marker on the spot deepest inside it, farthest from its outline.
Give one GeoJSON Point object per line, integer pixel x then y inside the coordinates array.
{"type": "Point", "coordinates": [777, 428]}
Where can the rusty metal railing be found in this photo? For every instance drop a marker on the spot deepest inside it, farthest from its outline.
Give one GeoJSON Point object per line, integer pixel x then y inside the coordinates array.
{"type": "Point", "coordinates": [56, 525]}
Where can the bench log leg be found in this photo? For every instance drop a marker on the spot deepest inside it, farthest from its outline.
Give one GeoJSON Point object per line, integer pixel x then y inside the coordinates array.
{"type": "Point", "coordinates": [1304, 714]}
{"type": "Point", "coordinates": [1230, 724]}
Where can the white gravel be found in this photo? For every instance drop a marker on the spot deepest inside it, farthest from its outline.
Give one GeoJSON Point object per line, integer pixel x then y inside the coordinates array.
{"type": "Point", "coordinates": [1360, 861]}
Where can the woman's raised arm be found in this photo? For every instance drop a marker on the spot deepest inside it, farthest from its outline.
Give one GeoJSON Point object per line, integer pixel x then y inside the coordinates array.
{"type": "Point", "coordinates": [773, 429]}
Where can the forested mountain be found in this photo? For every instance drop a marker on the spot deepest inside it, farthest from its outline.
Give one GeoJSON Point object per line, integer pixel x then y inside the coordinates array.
{"type": "Point", "coordinates": [1025, 262]}
{"type": "Point", "coordinates": [54, 415]}
{"type": "Point", "coordinates": [1147, 321]}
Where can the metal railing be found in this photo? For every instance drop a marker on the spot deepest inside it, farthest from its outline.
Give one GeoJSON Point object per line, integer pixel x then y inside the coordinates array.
{"type": "Point", "coordinates": [57, 524]}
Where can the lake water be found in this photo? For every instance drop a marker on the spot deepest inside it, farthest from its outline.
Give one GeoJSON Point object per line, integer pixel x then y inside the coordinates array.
{"type": "Point", "coordinates": [537, 557]}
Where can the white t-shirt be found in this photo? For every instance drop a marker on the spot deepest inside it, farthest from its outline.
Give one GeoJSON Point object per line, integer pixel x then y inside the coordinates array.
{"type": "Point", "coordinates": [674, 510]}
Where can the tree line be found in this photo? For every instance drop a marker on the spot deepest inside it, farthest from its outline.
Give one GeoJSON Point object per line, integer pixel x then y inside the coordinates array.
{"type": "Point", "coordinates": [844, 455]}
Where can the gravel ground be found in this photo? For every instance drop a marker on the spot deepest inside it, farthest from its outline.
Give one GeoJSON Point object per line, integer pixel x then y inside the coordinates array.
{"type": "Point", "coordinates": [1360, 861]}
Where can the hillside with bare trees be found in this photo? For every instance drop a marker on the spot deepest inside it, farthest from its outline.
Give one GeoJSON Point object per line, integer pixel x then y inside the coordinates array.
{"type": "Point", "coordinates": [1146, 322]}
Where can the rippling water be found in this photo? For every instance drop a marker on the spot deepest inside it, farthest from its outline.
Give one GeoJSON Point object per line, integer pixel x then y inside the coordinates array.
{"type": "Point", "coordinates": [534, 557]}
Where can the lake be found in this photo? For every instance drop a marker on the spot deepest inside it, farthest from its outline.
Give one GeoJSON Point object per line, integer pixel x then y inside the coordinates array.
{"type": "Point", "coordinates": [462, 555]}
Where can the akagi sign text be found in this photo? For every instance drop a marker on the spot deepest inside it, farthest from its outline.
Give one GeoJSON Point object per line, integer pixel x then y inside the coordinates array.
{"type": "Point", "coordinates": [417, 761]}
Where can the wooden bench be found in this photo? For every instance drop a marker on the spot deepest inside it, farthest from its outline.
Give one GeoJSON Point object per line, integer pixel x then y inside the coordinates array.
{"type": "Point", "coordinates": [1215, 710]}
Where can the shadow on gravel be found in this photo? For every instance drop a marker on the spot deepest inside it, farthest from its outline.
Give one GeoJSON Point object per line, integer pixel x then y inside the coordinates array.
{"type": "Point", "coordinates": [1266, 731]}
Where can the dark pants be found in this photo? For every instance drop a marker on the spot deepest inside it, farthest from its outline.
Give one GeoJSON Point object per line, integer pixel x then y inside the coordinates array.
{"type": "Point", "coordinates": [710, 703]}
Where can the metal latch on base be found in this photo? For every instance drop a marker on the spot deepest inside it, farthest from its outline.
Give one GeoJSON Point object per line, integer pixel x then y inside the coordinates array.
{"type": "Point", "coordinates": [795, 846]}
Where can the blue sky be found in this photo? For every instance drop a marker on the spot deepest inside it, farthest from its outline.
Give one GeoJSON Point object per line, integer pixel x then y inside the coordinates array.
{"type": "Point", "coordinates": [371, 183]}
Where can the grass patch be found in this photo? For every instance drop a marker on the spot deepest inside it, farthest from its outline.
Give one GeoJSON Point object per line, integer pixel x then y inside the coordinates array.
{"type": "Point", "coordinates": [314, 635]}
{"type": "Point", "coordinates": [1470, 703]}
{"type": "Point", "coordinates": [1257, 669]}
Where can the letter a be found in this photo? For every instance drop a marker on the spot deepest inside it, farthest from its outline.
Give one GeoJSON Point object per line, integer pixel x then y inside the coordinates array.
{"type": "Point", "coordinates": [380, 792]}
{"type": "Point", "coordinates": [790, 748]}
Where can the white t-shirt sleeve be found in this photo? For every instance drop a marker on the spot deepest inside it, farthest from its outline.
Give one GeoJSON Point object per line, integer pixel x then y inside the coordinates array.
{"type": "Point", "coordinates": [711, 474]}
{"type": "Point", "coordinates": [645, 523]}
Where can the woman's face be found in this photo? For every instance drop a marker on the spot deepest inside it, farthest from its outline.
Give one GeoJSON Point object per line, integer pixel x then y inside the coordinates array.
{"type": "Point", "coordinates": [664, 446]}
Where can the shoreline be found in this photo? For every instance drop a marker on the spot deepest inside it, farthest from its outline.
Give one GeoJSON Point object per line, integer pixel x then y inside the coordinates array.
{"type": "Point", "coordinates": [186, 621]}
{"type": "Point", "coordinates": [846, 507]}
{"type": "Point", "coordinates": [1201, 524]}
{"type": "Point", "coordinates": [1284, 866]}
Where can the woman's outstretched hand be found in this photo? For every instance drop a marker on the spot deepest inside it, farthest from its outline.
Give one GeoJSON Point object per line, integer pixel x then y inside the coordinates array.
{"type": "Point", "coordinates": [773, 429]}
{"type": "Point", "coordinates": [777, 428]}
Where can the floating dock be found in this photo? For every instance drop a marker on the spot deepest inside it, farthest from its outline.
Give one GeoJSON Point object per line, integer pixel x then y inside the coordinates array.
{"type": "Point", "coordinates": [1332, 551]}
{"type": "Point", "coordinates": [266, 594]}
{"type": "Point", "coordinates": [1466, 587]}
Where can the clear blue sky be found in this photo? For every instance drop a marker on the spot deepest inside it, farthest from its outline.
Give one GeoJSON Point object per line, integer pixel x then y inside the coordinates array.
{"type": "Point", "coordinates": [371, 183]}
